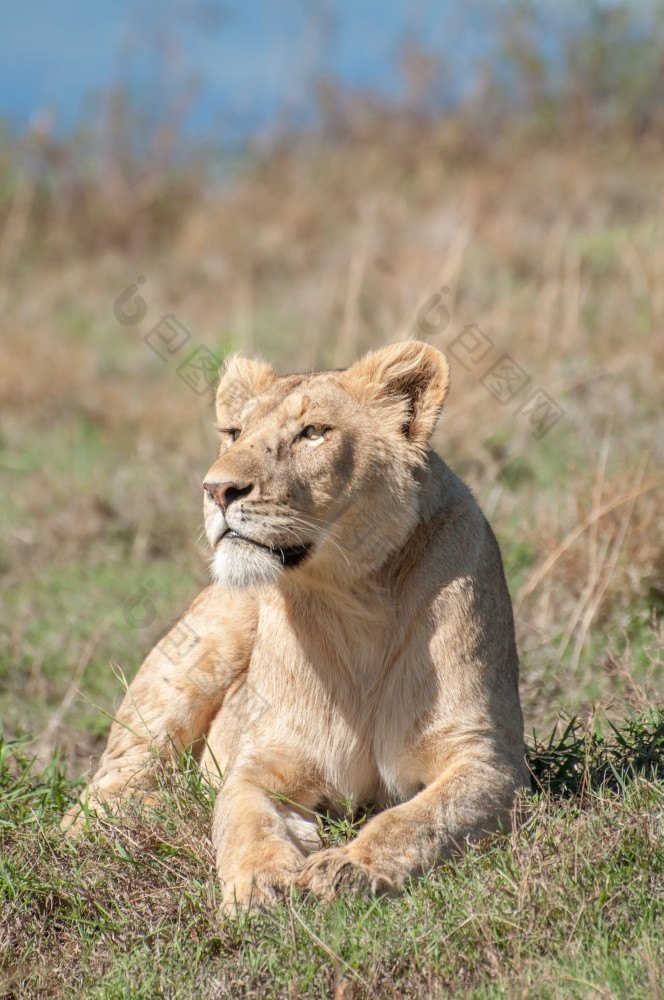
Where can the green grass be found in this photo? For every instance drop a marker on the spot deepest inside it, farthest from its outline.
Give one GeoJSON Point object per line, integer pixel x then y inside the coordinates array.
{"type": "Point", "coordinates": [570, 905]}
{"type": "Point", "coordinates": [72, 603]}
{"type": "Point", "coordinates": [71, 639]}
{"type": "Point", "coordinates": [312, 255]}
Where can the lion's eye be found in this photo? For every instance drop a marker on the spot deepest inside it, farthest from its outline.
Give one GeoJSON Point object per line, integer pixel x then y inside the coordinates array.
{"type": "Point", "coordinates": [313, 433]}
{"type": "Point", "coordinates": [232, 433]}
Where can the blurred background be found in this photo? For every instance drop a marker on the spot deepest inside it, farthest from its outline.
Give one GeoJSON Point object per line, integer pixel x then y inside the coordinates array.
{"type": "Point", "coordinates": [307, 181]}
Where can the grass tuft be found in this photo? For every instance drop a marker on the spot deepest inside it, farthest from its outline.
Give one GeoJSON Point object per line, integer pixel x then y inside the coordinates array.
{"type": "Point", "coordinates": [569, 905]}
{"type": "Point", "coordinates": [579, 762]}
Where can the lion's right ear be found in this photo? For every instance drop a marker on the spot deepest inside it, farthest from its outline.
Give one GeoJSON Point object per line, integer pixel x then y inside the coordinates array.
{"type": "Point", "coordinates": [410, 373]}
{"type": "Point", "coordinates": [241, 380]}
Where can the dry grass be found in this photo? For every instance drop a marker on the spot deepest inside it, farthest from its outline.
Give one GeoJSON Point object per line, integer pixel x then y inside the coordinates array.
{"type": "Point", "coordinates": [570, 906]}
{"type": "Point", "coordinates": [311, 256]}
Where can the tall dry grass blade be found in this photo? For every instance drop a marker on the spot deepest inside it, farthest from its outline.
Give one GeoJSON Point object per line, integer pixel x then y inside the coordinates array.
{"type": "Point", "coordinates": [537, 576]}
{"type": "Point", "coordinates": [330, 951]}
{"type": "Point", "coordinates": [595, 559]}
{"type": "Point", "coordinates": [16, 228]}
{"type": "Point", "coordinates": [607, 573]}
{"type": "Point", "coordinates": [574, 295]}
{"type": "Point", "coordinates": [348, 332]}
{"type": "Point", "coordinates": [47, 742]}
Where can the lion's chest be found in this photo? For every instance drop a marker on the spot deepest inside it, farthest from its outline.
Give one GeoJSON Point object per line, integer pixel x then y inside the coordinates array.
{"type": "Point", "coordinates": [336, 707]}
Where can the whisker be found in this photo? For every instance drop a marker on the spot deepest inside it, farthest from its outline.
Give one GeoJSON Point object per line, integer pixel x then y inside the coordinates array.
{"type": "Point", "coordinates": [322, 523]}
{"type": "Point", "coordinates": [331, 540]}
{"type": "Point", "coordinates": [286, 517]}
{"type": "Point", "coordinates": [299, 537]}
{"type": "Point", "coordinates": [308, 521]}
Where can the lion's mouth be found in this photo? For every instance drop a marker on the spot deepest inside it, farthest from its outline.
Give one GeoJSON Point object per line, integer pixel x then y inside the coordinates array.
{"type": "Point", "coordinates": [289, 556]}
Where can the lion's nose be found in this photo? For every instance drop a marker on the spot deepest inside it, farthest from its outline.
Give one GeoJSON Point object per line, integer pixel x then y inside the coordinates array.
{"type": "Point", "coordinates": [225, 493]}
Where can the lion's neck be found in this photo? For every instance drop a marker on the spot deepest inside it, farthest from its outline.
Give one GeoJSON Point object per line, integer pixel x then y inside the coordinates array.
{"type": "Point", "coordinates": [361, 601]}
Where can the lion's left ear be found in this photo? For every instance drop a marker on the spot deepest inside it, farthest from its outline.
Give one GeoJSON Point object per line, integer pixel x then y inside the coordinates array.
{"type": "Point", "coordinates": [413, 372]}
{"type": "Point", "coordinates": [240, 380]}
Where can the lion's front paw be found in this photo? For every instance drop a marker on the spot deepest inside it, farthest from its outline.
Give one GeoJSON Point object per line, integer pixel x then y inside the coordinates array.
{"type": "Point", "coordinates": [261, 887]}
{"type": "Point", "coordinates": [336, 868]}
{"type": "Point", "coordinates": [257, 892]}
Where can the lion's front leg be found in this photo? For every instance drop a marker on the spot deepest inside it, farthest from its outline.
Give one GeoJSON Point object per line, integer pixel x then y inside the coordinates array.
{"type": "Point", "coordinates": [466, 803]}
{"type": "Point", "coordinates": [164, 712]}
{"type": "Point", "coordinates": [260, 841]}
{"type": "Point", "coordinates": [170, 704]}
{"type": "Point", "coordinates": [394, 846]}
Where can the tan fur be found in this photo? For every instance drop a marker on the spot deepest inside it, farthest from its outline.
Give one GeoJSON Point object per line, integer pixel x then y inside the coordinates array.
{"type": "Point", "coordinates": [381, 668]}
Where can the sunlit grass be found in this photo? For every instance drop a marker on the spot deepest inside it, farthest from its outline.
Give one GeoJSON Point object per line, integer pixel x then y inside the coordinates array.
{"type": "Point", "coordinates": [548, 238]}
{"type": "Point", "coordinates": [569, 904]}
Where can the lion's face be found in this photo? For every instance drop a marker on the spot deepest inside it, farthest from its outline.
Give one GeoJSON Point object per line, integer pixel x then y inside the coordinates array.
{"type": "Point", "coordinates": [318, 474]}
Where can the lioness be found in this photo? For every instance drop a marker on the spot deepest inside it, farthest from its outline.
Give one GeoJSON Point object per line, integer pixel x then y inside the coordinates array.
{"type": "Point", "coordinates": [358, 641]}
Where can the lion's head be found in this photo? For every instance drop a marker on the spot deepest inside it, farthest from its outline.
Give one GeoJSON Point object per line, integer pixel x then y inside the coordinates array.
{"type": "Point", "coordinates": [320, 473]}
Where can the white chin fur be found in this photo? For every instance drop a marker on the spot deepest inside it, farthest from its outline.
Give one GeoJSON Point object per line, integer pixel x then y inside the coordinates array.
{"type": "Point", "coordinates": [237, 564]}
